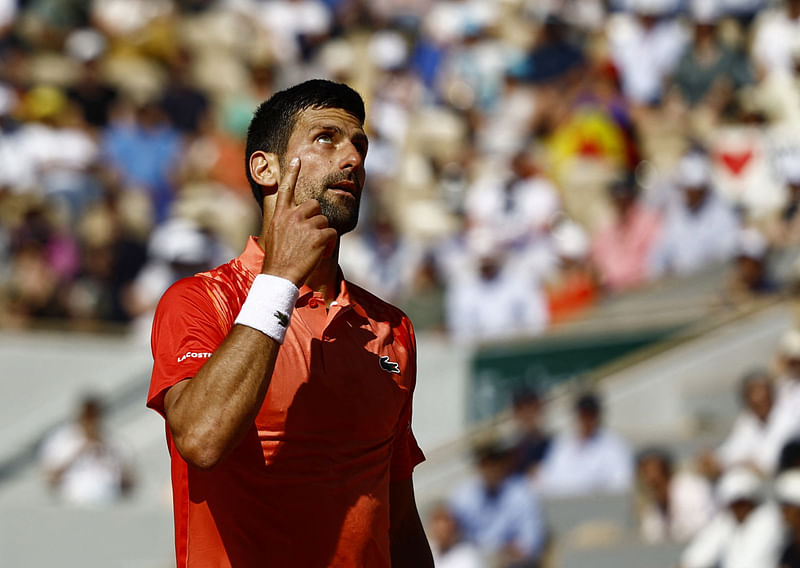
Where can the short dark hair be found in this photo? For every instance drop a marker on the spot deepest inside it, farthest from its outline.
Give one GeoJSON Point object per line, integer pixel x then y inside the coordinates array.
{"type": "Point", "coordinates": [662, 455]}
{"type": "Point", "coordinates": [274, 120]}
{"type": "Point", "coordinates": [588, 403]}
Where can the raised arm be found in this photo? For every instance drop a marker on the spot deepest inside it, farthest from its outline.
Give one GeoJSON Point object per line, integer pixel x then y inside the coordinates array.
{"type": "Point", "coordinates": [209, 413]}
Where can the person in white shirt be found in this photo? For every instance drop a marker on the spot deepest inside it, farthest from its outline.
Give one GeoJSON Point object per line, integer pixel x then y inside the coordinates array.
{"type": "Point", "coordinates": [82, 465]}
{"type": "Point", "coordinates": [776, 35]}
{"type": "Point", "coordinates": [748, 436]}
{"type": "Point", "coordinates": [677, 503]}
{"type": "Point", "coordinates": [589, 459]}
{"type": "Point", "coordinates": [495, 297]}
{"type": "Point", "coordinates": [646, 47]}
{"type": "Point", "coordinates": [746, 533]}
{"type": "Point", "coordinates": [785, 424]}
{"type": "Point", "coordinates": [699, 228]}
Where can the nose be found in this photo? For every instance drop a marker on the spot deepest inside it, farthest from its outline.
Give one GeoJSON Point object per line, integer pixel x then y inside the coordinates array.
{"type": "Point", "coordinates": [351, 157]}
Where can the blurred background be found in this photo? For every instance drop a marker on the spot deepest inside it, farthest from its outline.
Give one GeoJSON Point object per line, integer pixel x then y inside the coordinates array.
{"type": "Point", "coordinates": [590, 209]}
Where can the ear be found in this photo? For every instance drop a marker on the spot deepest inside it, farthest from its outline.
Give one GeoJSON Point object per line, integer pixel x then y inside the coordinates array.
{"type": "Point", "coordinates": [265, 169]}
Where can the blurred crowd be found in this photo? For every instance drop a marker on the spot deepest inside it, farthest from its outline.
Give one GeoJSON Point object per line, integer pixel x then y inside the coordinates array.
{"type": "Point", "coordinates": [527, 158]}
{"type": "Point", "coordinates": [736, 505]}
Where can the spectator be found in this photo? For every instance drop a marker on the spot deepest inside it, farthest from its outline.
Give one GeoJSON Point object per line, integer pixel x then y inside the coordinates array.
{"type": "Point", "coordinates": [787, 492]}
{"type": "Point", "coordinates": [84, 466]}
{"type": "Point", "coordinates": [571, 289]}
{"type": "Point", "coordinates": [450, 549]}
{"type": "Point", "coordinates": [786, 422]}
{"type": "Point", "coordinates": [645, 47]}
{"type": "Point", "coordinates": [382, 259]}
{"type": "Point", "coordinates": [676, 503]}
{"type": "Point", "coordinates": [709, 73]}
{"type": "Point", "coordinates": [177, 249]}
{"type": "Point", "coordinates": [622, 248]}
{"type": "Point", "coordinates": [532, 440]}
{"type": "Point", "coordinates": [699, 228]}
{"type": "Point", "coordinates": [183, 103]}
{"type": "Point", "coordinates": [497, 510]}
{"type": "Point", "coordinates": [587, 459]}
{"type": "Point", "coordinates": [143, 148]}
{"type": "Point", "coordinates": [775, 38]}
{"type": "Point", "coordinates": [517, 211]}
{"type": "Point", "coordinates": [495, 299]}
{"type": "Point", "coordinates": [744, 446]}
{"type": "Point", "coordinates": [787, 231]}
{"type": "Point", "coordinates": [751, 277]}
{"type": "Point", "coordinates": [744, 534]}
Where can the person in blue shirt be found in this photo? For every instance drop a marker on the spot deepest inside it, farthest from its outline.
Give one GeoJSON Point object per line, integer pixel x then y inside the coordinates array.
{"type": "Point", "coordinates": [498, 511]}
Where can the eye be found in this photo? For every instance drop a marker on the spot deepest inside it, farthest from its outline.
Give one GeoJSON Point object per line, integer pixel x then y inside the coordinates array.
{"type": "Point", "coordinates": [325, 138]}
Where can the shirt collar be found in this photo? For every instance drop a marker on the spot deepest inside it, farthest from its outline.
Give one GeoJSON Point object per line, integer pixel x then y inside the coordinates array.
{"type": "Point", "coordinates": [253, 256]}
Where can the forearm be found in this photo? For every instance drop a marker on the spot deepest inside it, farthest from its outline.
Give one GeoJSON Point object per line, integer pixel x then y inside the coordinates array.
{"type": "Point", "coordinates": [209, 414]}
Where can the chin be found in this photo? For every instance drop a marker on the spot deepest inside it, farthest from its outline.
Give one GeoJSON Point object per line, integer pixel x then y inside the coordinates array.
{"type": "Point", "coordinates": [343, 221]}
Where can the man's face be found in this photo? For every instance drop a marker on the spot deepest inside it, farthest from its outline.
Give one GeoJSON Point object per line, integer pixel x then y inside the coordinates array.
{"type": "Point", "coordinates": [759, 399]}
{"type": "Point", "coordinates": [332, 147]}
{"type": "Point", "coordinates": [695, 197]}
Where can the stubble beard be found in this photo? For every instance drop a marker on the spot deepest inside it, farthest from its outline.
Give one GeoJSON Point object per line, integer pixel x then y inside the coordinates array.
{"type": "Point", "coordinates": [342, 216]}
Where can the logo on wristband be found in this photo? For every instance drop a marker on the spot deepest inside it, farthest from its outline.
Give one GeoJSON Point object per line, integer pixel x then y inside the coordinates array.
{"type": "Point", "coordinates": [283, 319]}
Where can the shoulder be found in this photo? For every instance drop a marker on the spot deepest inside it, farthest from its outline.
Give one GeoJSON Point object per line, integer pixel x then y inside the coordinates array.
{"type": "Point", "coordinates": [218, 292]}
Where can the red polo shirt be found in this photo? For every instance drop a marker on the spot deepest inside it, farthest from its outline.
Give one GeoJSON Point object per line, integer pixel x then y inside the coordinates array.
{"type": "Point", "coordinates": [309, 484]}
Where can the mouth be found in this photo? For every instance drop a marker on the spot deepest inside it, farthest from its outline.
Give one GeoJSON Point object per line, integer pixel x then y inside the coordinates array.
{"type": "Point", "coordinates": [345, 187]}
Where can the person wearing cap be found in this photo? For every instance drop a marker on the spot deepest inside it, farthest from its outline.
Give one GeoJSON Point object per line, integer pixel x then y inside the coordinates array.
{"type": "Point", "coordinates": [745, 532]}
{"type": "Point", "coordinates": [751, 277]}
{"type": "Point", "coordinates": [497, 510]}
{"type": "Point", "coordinates": [496, 297]}
{"type": "Point", "coordinates": [699, 228]}
{"type": "Point", "coordinates": [621, 248]}
{"type": "Point", "coordinates": [572, 288]}
{"type": "Point", "coordinates": [587, 459]}
{"type": "Point", "coordinates": [787, 493]}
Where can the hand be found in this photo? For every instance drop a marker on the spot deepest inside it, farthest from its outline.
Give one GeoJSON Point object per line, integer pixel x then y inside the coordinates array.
{"type": "Point", "coordinates": [297, 236]}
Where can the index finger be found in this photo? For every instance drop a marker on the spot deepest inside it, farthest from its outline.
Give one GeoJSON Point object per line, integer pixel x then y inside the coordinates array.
{"type": "Point", "coordinates": [285, 197]}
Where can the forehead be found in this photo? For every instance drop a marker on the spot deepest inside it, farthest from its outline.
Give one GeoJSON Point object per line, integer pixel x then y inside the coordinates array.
{"type": "Point", "coordinates": [311, 118]}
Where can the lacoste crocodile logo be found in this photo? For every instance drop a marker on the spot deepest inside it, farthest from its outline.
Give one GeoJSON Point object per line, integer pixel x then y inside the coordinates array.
{"type": "Point", "coordinates": [389, 366]}
{"type": "Point", "coordinates": [283, 319]}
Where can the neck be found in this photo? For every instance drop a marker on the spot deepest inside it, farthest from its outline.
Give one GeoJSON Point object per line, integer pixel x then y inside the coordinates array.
{"type": "Point", "coordinates": [325, 277]}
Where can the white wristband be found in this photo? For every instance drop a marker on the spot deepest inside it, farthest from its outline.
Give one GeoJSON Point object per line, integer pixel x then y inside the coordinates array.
{"type": "Point", "coordinates": [268, 306]}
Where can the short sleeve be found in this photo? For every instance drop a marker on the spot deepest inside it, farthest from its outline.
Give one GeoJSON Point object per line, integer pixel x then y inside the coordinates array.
{"type": "Point", "coordinates": [406, 453]}
{"type": "Point", "coordinates": [187, 329]}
